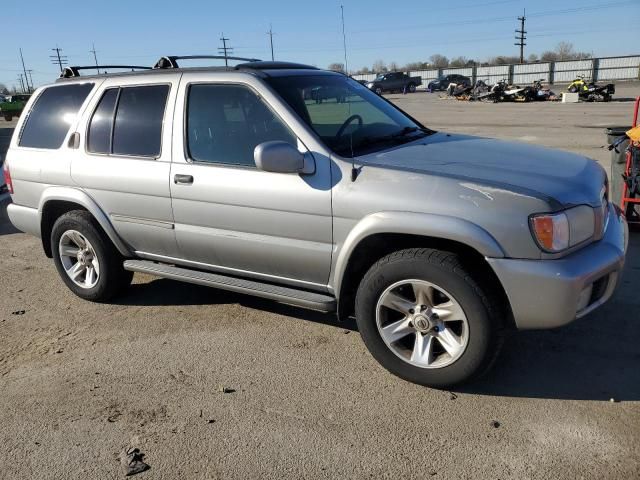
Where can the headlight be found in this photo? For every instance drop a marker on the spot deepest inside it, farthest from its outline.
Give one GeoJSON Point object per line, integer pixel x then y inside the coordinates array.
{"type": "Point", "coordinates": [560, 231]}
{"type": "Point", "coordinates": [370, 84]}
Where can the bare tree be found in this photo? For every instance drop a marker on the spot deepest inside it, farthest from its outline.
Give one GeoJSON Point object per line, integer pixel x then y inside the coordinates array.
{"type": "Point", "coordinates": [3, 89]}
{"type": "Point", "coordinates": [549, 56]}
{"type": "Point", "coordinates": [565, 51]}
{"type": "Point", "coordinates": [439, 61]}
{"type": "Point", "coordinates": [336, 67]}
{"type": "Point", "coordinates": [458, 62]}
{"type": "Point", "coordinates": [532, 58]}
{"type": "Point", "coordinates": [393, 66]}
{"type": "Point", "coordinates": [416, 66]}
{"type": "Point", "coordinates": [379, 66]}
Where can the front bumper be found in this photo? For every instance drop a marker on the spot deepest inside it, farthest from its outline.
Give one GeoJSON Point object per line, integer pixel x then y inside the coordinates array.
{"type": "Point", "coordinates": [552, 293]}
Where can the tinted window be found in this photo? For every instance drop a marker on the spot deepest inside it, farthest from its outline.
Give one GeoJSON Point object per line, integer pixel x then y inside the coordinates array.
{"type": "Point", "coordinates": [138, 126]}
{"type": "Point", "coordinates": [350, 118]}
{"type": "Point", "coordinates": [226, 122]}
{"type": "Point", "coordinates": [101, 123]}
{"type": "Point", "coordinates": [52, 115]}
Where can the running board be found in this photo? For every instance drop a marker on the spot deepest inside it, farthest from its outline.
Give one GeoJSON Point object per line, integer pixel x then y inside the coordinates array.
{"type": "Point", "coordinates": [291, 296]}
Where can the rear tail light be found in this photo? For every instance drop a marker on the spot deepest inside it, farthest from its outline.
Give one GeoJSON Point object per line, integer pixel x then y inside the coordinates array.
{"type": "Point", "coordinates": [7, 178]}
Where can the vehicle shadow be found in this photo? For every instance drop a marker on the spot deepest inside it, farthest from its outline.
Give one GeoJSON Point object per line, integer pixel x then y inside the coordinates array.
{"type": "Point", "coordinates": [594, 358]}
{"type": "Point", "coordinates": [165, 292]}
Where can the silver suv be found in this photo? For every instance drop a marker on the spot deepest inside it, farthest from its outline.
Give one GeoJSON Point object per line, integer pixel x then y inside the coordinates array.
{"type": "Point", "coordinates": [240, 179]}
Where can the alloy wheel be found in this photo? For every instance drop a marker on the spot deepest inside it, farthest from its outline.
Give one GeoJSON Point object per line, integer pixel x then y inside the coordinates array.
{"type": "Point", "coordinates": [422, 324]}
{"type": "Point", "coordinates": [79, 259]}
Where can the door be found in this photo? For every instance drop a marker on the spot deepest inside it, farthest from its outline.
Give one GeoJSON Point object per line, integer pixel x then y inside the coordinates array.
{"type": "Point", "coordinates": [230, 216]}
{"type": "Point", "coordinates": [126, 161]}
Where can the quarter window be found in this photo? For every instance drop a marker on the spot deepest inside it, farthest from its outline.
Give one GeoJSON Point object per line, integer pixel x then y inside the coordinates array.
{"type": "Point", "coordinates": [99, 140]}
{"type": "Point", "coordinates": [226, 122]}
{"type": "Point", "coordinates": [53, 114]}
{"type": "Point", "coordinates": [128, 121]}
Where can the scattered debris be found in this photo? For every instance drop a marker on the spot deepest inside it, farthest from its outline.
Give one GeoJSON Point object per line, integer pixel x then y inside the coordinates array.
{"type": "Point", "coordinates": [132, 460]}
{"type": "Point", "coordinates": [433, 473]}
{"type": "Point", "coordinates": [59, 350]}
{"type": "Point", "coordinates": [227, 390]}
{"type": "Point", "coordinates": [200, 413]}
{"type": "Point", "coordinates": [19, 312]}
{"type": "Point", "coordinates": [346, 332]}
{"type": "Point", "coordinates": [495, 424]}
{"type": "Point", "coordinates": [453, 396]}
{"type": "Point", "coordinates": [211, 420]}
{"type": "Point", "coordinates": [613, 400]}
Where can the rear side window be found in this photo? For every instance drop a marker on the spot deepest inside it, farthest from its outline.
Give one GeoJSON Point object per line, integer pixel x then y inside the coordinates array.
{"type": "Point", "coordinates": [52, 115]}
{"type": "Point", "coordinates": [99, 140]}
{"type": "Point", "coordinates": [128, 121]}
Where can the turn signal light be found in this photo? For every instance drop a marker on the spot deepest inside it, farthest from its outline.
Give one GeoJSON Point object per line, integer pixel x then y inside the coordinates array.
{"type": "Point", "coordinates": [551, 231]}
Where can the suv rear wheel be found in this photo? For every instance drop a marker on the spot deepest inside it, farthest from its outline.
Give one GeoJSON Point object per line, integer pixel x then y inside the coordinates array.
{"type": "Point", "coordinates": [425, 319]}
{"type": "Point", "coordinates": [86, 260]}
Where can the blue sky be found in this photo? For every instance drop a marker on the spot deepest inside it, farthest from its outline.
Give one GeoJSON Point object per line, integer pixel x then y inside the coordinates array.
{"type": "Point", "coordinates": [309, 32]}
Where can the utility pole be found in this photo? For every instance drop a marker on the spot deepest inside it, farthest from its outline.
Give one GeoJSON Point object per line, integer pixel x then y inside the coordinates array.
{"type": "Point", "coordinates": [225, 50]}
{"type": "Point", "coordinates": [270, 33]}
{"type": "Point", "coordinates": [344, 42]}
{"type": "Point", "coordinates": [24, 69]}
{"type": "Point", "coordinates": [21, 82]}
{"type": "Point", "coordinates": [95, 57]}
{"type": "Point", "coordinates": [30, 81]}
{"type": "Point", "coordinates": [522, 35]}
{"type": "Point", "coordinates": [58, 59]}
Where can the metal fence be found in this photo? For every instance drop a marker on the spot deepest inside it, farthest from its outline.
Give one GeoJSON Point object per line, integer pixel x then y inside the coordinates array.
{"type": "Point", "coordinates": [596, 69]}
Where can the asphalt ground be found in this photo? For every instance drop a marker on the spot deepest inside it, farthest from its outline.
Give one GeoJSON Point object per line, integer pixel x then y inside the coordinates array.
{"type": "Point", "coordinates": [80, 381]}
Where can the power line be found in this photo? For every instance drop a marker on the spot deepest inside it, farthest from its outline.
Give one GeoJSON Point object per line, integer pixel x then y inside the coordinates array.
{"type": "Point", "coordinates": [225, 50]}
{"type": "Point", "coordinates": [58, 59]}
{"type": "Point", "coordinates": [21, 82]}
{"type": "Point", "coordinates": [522, 35]}
{"type": "Point", "coordinates": [270, 33]}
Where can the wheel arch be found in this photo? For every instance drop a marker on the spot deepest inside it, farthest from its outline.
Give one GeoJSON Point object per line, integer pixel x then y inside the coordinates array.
{"type": "Point", "coordinates": [57, 201]}
{"type": "Point", "coordinates": [382, 233]}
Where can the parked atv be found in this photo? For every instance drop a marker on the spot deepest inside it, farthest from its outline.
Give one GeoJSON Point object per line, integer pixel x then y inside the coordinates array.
{"type": "Point", "coordinates": [591, 92]}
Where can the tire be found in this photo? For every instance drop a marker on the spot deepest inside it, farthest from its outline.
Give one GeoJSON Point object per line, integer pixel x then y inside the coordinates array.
{"type": "Point", "coordinates": [8, 118]}
{"type": "Point", "coordinates": [379, 91]}
{"type": "Point", "coordinates": [412, 88]}
{"type": "Point", "coordinates": [480, 339]}
{"type": "Point", "coordinates": [98, 254]}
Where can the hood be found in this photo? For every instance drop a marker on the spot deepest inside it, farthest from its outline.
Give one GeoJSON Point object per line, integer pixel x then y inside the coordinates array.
{"type": "Point", "coordinates": [563, 179]}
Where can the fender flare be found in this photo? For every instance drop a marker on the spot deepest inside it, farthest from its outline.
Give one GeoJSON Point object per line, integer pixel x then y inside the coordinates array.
{"type": "Point", "coordinates": [75, 195]}
{"type": "Point", "coordinates": [423, 224]}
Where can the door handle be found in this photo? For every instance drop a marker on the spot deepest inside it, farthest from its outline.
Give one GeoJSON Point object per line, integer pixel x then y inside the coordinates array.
{"type": "Point", "coordinates": [186, 179]}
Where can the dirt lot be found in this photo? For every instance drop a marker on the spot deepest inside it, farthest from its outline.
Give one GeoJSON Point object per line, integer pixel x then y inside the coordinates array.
{"type": "Point", "coordinates": [78, 381]}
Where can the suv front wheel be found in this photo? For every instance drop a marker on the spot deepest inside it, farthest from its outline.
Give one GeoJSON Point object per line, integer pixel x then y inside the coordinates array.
{"type": "Point", "coordinates": [425, 319]}
{"type": "Point", "coordinates": [86, 260]}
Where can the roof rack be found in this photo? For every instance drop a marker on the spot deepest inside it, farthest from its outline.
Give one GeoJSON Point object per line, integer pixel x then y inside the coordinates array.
{"type": "Point", "coordinates": [171, 60]}
{"type": "Point", "coordinates": [275, 66]}
{"type": "Point", "coordinates": [70, 72]}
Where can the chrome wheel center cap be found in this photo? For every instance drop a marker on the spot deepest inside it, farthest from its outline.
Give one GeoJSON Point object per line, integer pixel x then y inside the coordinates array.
{"type": "Point", "coordinates": [421, 323]}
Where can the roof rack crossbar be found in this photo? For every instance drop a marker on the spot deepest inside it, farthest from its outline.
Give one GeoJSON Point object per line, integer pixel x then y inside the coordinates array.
{"type": "Point", "coordinates": [70, 72]}
{"type": "Point", "coordinates": [171, 60]}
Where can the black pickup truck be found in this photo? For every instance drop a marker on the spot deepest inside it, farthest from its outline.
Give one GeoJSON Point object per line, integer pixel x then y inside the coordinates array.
{"type": "Point", "coordinates": [394, 81]}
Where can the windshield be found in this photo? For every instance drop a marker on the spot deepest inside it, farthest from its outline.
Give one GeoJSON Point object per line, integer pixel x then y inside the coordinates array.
{"type": "Point", "coordinates": [349, 118]}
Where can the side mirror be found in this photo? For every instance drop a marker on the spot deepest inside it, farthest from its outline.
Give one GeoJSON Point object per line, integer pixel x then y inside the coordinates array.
{"type": "Point", "coordinates": [279, 157]}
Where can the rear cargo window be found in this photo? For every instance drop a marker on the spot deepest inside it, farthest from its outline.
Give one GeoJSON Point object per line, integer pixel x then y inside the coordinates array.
{"type": "Point", "coordinates": [52, 115]}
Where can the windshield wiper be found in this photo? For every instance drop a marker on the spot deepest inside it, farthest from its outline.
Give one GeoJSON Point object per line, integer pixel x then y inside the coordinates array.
{"type": "Point", "coordinates": [400, 134]}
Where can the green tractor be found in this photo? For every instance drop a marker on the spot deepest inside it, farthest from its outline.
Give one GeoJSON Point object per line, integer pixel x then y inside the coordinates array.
{"type": "Point", "coordinates": [13, 106]}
